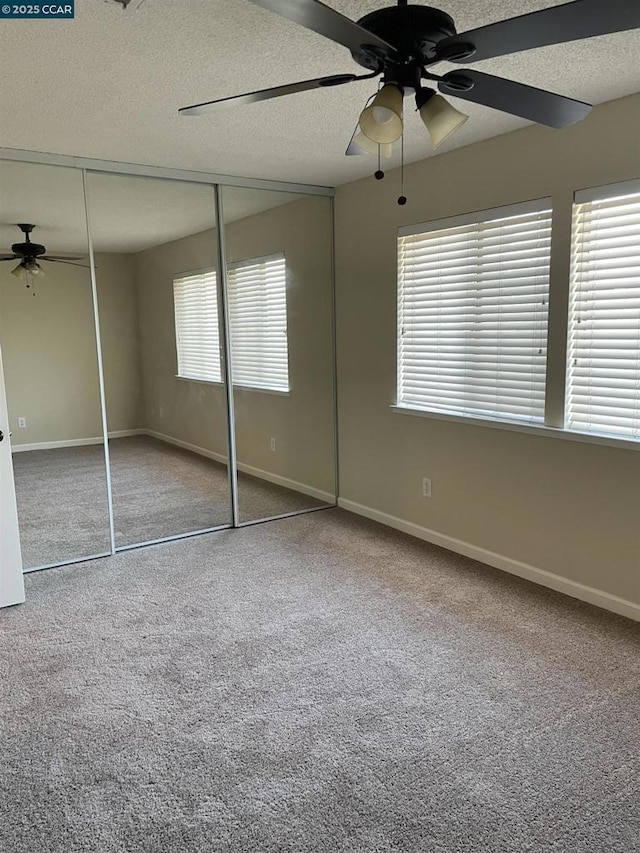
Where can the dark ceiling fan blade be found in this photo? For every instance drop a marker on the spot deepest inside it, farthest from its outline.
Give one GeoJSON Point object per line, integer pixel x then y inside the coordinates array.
{"type": "Point", "coordinates": [578, 20]}
{"type": "Point", "coordinates": [9, 257]}
{"type": "Point", "coordinates": [327, 22]}
{"type": "Point", "coordinates": [267, 94]}
{"type": "Point", "coordinates": [60, 261]}
{"type": "Point", "coordinates": [58, 258]}
{"type": "Point", "coordinates": [515, 98]}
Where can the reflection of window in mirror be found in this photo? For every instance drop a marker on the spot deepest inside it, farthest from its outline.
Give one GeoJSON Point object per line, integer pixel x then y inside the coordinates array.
{"type": "Point", "coordinates": [196, 315]}
{"type": "Point", "coordinates": [258, 317]}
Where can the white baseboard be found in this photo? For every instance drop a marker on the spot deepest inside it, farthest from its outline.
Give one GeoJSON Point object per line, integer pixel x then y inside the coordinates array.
{"type": "Point", "coordinates": [531, 573]}
{"type": "Point", "coordinates": [185, 445]}
{"type": "Point", "coordinates": [276, 479]}
{"type": "Point", "coordinates": [73, 442]}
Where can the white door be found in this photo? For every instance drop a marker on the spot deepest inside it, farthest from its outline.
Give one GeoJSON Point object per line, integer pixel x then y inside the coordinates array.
{"type": "Point", "coordinates": [11, 582]}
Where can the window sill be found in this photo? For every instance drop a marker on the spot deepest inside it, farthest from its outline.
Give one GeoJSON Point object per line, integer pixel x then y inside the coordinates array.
{"type": "Point", "coordinates": [517, 426]}
{"type": "Point", "coordinates": [214, 382]}
{"type": "Point", "coordinates": [218, 384]}
{"type": "Point", "coordinates": [257, 389]}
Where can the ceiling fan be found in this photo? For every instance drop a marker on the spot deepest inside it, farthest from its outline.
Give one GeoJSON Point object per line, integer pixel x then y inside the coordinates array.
{"type": "Point", "coordinates": [29, 254]}
{"type": "Point", "coordinates": [400, 43]}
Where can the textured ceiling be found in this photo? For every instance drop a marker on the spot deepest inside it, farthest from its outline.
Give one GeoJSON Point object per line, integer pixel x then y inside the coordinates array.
{"type": "Point", "coordinates": [108, 85]}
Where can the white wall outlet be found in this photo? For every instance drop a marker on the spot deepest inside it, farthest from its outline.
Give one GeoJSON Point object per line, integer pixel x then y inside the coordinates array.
{"type": "Point", "coordinates": [272, 444]}
{"type": "Point", "coordinates": [426, 487]}
{"type": "Point", "coordinates": [22, 423]}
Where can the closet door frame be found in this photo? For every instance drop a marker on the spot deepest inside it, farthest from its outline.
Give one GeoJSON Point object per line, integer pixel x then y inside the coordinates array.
{"type": "Point", "coordinates": [11, 581]}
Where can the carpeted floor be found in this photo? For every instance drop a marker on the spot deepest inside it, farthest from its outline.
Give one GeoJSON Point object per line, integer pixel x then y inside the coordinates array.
{"type": "Point", "coordinates": [316, 684]}
{"type": "Point", "coordinates": [158, 490]}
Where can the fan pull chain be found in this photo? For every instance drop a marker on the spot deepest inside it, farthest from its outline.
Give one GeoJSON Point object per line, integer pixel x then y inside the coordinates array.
{"type": "Point", "coordinates": [402, 199]}
{"type": "Point", "coordinates": [379, 174]}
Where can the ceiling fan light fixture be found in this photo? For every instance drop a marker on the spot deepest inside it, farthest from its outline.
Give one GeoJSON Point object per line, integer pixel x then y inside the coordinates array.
{"type": "Point", "coordinates": [381, 122]}
{"type": "Point", "coordinates": [439, 117]}
{"type": "Point", "coordinates": [20, 272]}
{"type": "Point", "coordinates": [26, 269]}
{"type": "Point", "coordinates": [385, 148]}
{"type": "Point", "coordinates": [34, 268]}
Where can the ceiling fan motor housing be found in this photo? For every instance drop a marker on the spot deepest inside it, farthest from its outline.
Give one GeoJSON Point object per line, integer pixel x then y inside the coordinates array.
{"type": "Point", "coordinates": [413, 30]}
{"type": "Point", "coordinates": [27, 249]}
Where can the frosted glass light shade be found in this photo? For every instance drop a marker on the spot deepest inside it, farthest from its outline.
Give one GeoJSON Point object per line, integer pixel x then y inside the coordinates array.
{"type": "Point", "coordinates": [441, 119]}
{"type": "Point", "coordinates": [20, 272]}
{"type": "Point", "coordinates": [26, 269]}
{"type": "Point", "coordinates": [370, 147]}
{"type": "Point", "coordinates": [34, 268]}
{"type": "Point", "coordinates": [381, 122]}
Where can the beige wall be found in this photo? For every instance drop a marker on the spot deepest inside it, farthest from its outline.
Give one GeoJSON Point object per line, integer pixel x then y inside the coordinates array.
{"type": "Point", "coordinates": [49, 351]}
{"type": "Point", "coordinates": [117, 303]}
{"type": "Point", "coordinates": [195, 412]}
{"type": "Point", "coordinates": [301, 422]}
{"type": "Point", "coordinates": [565, 507]}
{"type": "Point", "coordinates": [192, 412]}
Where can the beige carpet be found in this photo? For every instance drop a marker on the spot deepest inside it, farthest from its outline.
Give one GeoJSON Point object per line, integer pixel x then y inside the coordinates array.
{"type": "Point", "coordinates": [158, 490]}
{"type": "Point", "coordinates": [314, 685]}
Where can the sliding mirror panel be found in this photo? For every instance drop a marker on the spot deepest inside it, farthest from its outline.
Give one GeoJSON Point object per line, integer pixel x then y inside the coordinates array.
{"type": "Point", "coordinates": [48, 341]}
{"type": "Point", "coordinates": [158, 290]}
{"type": "Point", "coordinates": [279, 294]}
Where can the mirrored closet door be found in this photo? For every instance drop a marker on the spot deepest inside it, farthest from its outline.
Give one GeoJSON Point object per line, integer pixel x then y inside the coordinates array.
{"type": "Point", "coordinates": [115, 324]}
{"type": "Point", "coordinates": [279, 295]}
{"type": "Point", "coordinates": [155, 253]}
{"type": "Point", "coordinates": [50, 357]}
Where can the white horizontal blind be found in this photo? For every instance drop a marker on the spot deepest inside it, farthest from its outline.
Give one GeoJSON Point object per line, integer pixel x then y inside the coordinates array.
{"type": "Point", "coordinates": [196, 317]}
{"type": "Point", "coordinates": [472, 315]}
{"type": "Point", "coordinates": [258, 319]}
{"type": "Point", "coordinates": [603, 387]}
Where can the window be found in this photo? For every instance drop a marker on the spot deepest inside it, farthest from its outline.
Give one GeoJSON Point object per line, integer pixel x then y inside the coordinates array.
{"type": "Point", "coordinates": [258, 318]}
{"type": "Point", "coordinates": [196, 314]}
{"type": "Point", "coordinates": [472, 313]}
{"type": "Point", "coordinates": [258, 324]}
{"type": "Point", "coordinates": [603, 381]}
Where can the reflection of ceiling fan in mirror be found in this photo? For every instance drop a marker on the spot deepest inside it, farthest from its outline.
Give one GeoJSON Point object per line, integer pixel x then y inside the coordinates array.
{"type": "Point", "coordinates": [400, 43]}
{"type": "Point", "coordinates": [30, 254]}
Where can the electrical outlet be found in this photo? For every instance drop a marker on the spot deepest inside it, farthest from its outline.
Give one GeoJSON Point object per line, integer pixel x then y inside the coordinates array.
{"type": "Point", "coordinates": [272, 444]}
{"type": "Point", "coordinates": [22, 423]}
{"type": "Point", "coordinates": [426, 487]}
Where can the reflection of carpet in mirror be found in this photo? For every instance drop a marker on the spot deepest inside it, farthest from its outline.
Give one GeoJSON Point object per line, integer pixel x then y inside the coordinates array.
{"type": "Point", "coordinates": [158, 490]}
{"type": "Point", "coordinates": [62, 504]}
{"type": "Point", "coordinates": [162, 490]}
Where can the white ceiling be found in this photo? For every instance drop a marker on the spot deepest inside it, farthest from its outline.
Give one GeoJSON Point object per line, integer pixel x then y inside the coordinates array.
{"type": "Point", "coordinates": [108, 85]}
{"type": "Point", "coordinates": [127, 214]}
